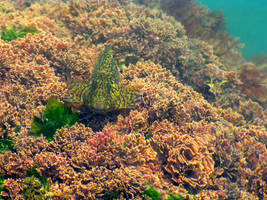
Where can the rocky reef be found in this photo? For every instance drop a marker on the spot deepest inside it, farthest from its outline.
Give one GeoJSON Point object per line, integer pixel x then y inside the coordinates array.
{"type": "Point", "coordinates": [178, 118]}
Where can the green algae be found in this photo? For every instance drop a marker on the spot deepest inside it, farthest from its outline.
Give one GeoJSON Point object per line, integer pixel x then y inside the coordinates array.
{"type": "Point", "coordinates": [56, 115]}
{"type": "Point", "coordinates": [32, 171]}
{"type": "Point", "coordinates": [10, 34]}
{"type": "Point", "coordinates": [1, 185]}
{"type": "Point", "coordinates": [6, 145]}
{"type": "Point", "coordinates": [33, 189]}
{"type": "Point", "coordinates": [152, 193]}
{"type": "Point", "coordinates": [111, 195]}
{"type": "Point", "coordinates": [35, 185]}
{"type": "Point", "coordinates": [175, 197]}
{"type": "Point", "coordinates": [102, 93]}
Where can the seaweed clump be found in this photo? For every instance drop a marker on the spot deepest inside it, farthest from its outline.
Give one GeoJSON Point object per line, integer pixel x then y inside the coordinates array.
{"type": "Point", "coordinates": [56, 115]}
{"type": "Point", "coordinates": [35, 185]}
{"type": "Point", "coordinates": [6, 145]}
{"type": "Point", "coordinates": [102, 93]}
{"type": "Point", "coordinates": [33, 189]}
{"type": "Point", "coordinates": [152, 193]}
{"type": "Point", "coordinates": [10, 34]}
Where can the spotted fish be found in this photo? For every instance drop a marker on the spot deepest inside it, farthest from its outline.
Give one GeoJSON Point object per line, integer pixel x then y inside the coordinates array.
{"type": "Point", "coordinates": [102, 93]}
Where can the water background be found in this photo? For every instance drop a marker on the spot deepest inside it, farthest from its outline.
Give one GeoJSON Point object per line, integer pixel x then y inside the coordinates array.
{"type": "Point", "coordinates": [246, 20]}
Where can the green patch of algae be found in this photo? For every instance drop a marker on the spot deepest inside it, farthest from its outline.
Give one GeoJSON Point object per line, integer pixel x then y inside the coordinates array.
{"type": "Point", "coordinates": [102, 93]}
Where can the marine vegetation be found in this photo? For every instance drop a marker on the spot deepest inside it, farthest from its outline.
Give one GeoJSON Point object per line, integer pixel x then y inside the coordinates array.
{"type": "Point", "coordinates": [33, 189]}
{"type": "Point", "coordinates": [56, 115]}
{"type": "Point", "coordinates": [152, 193]}
{"type": "Point", "coordinates": [1, 185]}
{"type": "Point", "coordinates": [175, 197]}
{"type": "Point", "coordinates": [181, 137]}
{"type": "Point", "coordinates": [32, 172]}
{"type": "Point", "coordinates": [35, 185]}
{"type": "Point", "coordinates": [102, 94]}
{"type": "Point", "coordinates": [216, 88]}
{"type": "Point", "coordinates": [10, 34]}
{"type": "Point", "coordinates": [6, 145]}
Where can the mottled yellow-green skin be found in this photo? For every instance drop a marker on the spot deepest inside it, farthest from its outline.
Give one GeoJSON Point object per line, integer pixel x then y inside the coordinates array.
{"type": "Point", "coordinates": [33, 189]}
{"type": "Point", "coordinates": [102, 93]}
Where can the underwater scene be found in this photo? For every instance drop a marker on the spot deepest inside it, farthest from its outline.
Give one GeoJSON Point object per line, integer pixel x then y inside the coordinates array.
{"type": "Point", "coordinates": [128, 99]}
{"type": "Point", "coordinates": [245, 20]}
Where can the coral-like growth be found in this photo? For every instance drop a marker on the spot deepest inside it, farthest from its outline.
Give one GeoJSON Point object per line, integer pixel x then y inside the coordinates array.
{"type": "Point", "coordinates": [147, 35]}
{"type": "Point", "coordinates": [175, 138]}
{"type": "Point", "coordinates": [253, 83]}
{"type": "Point", "coordinates": [189, 163]}
{"type": "Point", "coordinates": [56, 115]}
{"type": "Point", "coordinates": [13, 189]}
{"type": "Point", "coordinates": [32, 70]}
{"type": "Point", "coordinates": [165, 97]}
{"type": "Point", "coordinates": [201, 23]}
{"type": "Point", "coordinates": [236, 150]}
{"type": "Point", "coordinates": [253, 113]}
{"type": "Point", "coordinates": [188, 160]}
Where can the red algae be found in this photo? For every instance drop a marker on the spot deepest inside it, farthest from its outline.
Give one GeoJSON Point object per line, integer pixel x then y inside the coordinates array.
{"type": "Point", "coordinates": [198, 131]}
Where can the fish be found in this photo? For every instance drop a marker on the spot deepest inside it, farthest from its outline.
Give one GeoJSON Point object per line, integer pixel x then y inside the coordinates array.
{"type": "Point", "coordinates": [102, 93]}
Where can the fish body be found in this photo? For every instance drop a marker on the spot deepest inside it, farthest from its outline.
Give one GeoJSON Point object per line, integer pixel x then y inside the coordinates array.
{"type": "Point", "coordinates": [102, 93]}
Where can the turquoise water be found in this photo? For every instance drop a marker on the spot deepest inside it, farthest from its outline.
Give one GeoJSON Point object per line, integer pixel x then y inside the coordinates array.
{"type": "Point", "coordinates": [247, 20]}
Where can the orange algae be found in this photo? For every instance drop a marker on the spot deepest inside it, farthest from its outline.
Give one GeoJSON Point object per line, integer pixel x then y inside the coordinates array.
{"type": "Point", "coordinates": [191, 162]}
{"type": "Point", "coordinates": [176, 138]}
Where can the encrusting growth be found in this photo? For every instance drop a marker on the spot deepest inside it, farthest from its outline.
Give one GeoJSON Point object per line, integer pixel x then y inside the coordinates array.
{"type": "Point", "coordinates": [102, 93]}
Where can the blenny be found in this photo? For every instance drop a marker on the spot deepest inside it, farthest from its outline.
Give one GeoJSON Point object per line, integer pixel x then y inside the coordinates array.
{"type": "Point", "coordinates": [102, 93]}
